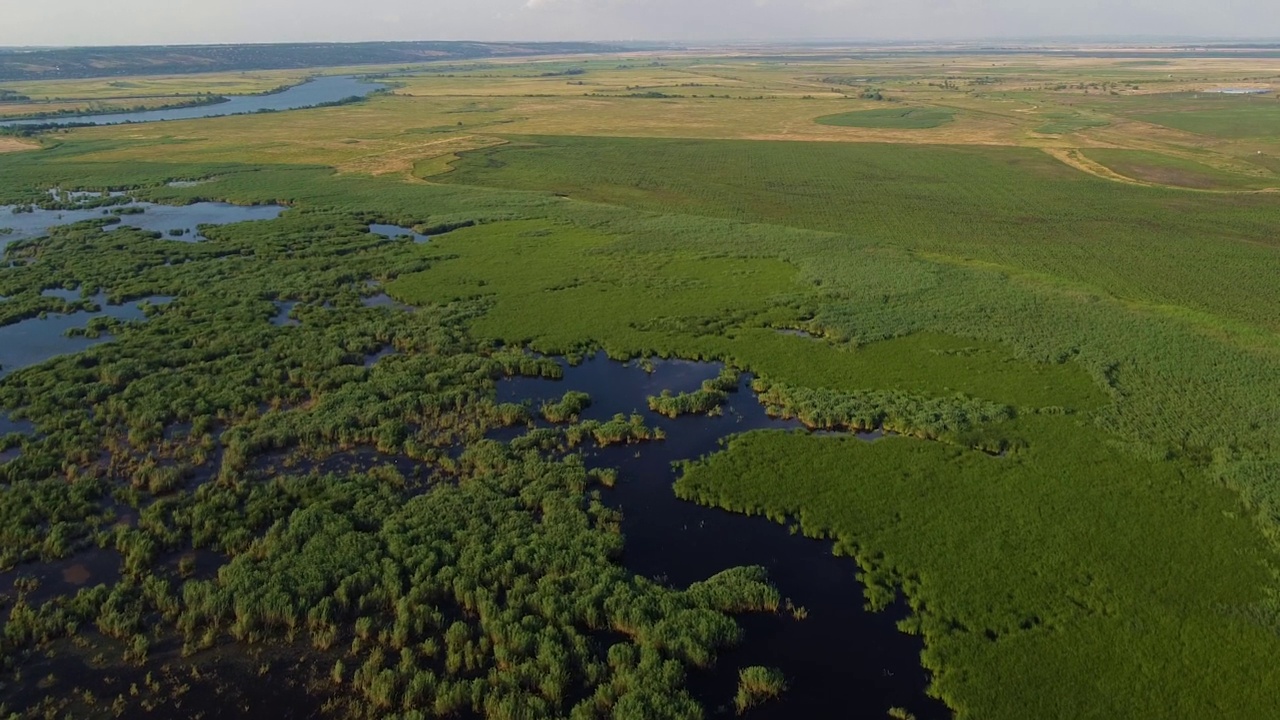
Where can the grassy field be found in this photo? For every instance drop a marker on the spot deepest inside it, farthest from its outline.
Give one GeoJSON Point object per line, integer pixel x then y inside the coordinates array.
{"type": "Point", "coordinates": [1010, 208]}
{"type": "Point", "coordinates": [1090, 311]}
{"type": "Point", "coordinates": [1066, 123]}
{"type": "Point", "coordinates": [904, 119]}
{"type": "Point", "coordinates": [1066, 602]}
{"type": "Point", "coordinates": [1176, 171]}
{"type": "Point", "coordinates": [1215, 115]}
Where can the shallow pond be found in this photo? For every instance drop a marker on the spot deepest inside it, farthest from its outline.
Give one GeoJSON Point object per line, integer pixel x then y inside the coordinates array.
{"type": "Point", "coordinates": [34, 341]}
{"type": "Point", "coordinates": [309, 94]}
{"type": "Point", "coordinates": [284, 311]}
{"type": "Point", "coordinates": [385, 300]}
{"type": "Point", "coordinates": [9, 425]}
{"type": "Point", "coordinates": [392, 232]}
{"type": "Point", "coordinates": [157, 218]}
{"type": "Point", "coordinates": [841, 660]}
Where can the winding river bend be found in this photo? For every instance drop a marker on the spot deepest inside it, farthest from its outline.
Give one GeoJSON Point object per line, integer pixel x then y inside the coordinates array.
{"type": "Point", "coordinates": [319, 91]}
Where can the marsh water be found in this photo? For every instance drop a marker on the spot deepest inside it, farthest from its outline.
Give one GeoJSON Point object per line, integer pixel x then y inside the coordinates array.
{"type": "Point", "coordinates": [841, 660]}
{"type": "Point", "coordinates": [309, 94]}
{"type": "Point", "coordinates": [392, 232]}
{"type": "Point", "coordinates": [35, 340]}
{"type": "Point", "coordinates": [26, 223]}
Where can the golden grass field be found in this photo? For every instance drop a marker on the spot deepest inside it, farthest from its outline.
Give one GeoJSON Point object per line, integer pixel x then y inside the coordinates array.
{"type": "Point", "coordinates": [8, 145]}
{"type": "Point", "coordinates": [436, 111]}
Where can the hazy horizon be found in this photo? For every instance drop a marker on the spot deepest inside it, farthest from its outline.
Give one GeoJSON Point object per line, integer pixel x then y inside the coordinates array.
{"type": "Point", "coordinates": [164, 22]}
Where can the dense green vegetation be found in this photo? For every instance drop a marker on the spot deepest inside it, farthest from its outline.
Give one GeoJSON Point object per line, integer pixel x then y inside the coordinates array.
{"type": "Point", "coordinates": [705, 400]}
{"type": "Point", "coordinates": [486, 583]}
{"type": "Point", "coordinates": [899, 118]}
{"type": "Point", "coordinates": [567, 408]}
{"type": "Point", "coordinates": [1008, 208]}
{"type": "Point", "coordinates": [1215, 115]}
{"type": "Point", "coordinates": [757, 684]}
{"type": "Point", "coordinates": [949, 524]}
{"type": "Point", "coordinates": [950, 419]}
{"type": "Point", "coordinates": [539, 274]}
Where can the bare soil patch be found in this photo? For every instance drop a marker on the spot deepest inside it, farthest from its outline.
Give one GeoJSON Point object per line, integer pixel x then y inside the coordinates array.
{"type": "Point", "coordinates": [16, 145]}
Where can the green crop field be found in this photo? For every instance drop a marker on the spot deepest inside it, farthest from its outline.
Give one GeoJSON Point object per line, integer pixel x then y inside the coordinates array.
{"type": "Point", "coordinates": [1225, 116]}
{"type": "Point", "coordinates": [1050, 281]}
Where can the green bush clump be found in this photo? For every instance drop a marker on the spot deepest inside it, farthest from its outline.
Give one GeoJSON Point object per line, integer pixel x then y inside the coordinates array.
{"type": "Point", "coordinates": [706, 400]}
{"type": "Point", "coordinates": [897, 412]}
{"type": "Point", "coordinates": [568, 408]}
{"type": "Point", "coordinates": [756, 685]}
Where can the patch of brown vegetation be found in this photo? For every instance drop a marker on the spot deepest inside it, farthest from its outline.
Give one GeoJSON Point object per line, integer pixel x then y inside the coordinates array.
{"type": "Point", "coordinates": [1170, 176]}
{"type": "Point", "coordinates": [16, 145]}
{"type": "Point", "coordinates": [76, 575]}
{"type": "Point", "coordinates": [403, 159]}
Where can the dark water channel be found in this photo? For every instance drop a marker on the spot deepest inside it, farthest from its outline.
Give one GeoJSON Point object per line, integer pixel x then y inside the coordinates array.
{"type": "Point", "coordinates": [840, 661]}
{"type": "Point", "coordinates": [309, 94]}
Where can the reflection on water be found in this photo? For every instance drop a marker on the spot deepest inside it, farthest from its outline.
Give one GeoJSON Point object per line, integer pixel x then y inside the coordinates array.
{"type": "Point", "coordinates": [284, 309]}
{"type": "Point", "coordinates": [393, 232]}
{"type": "Point", "coordinates": [840, 660]}
{"type": "Point", "coordinates": [9, 425]}
{"type": "Point", "coordinates": [49, 580]}
{"type": "Point", "coordinates": [36, 340]}
{"type": "Point", "coordinates": [177, 222]}
{"type": "Point", "coordinates": [385, 300]}
{"type": "Point", "coordinates": [62, 293]}
{"type": "Point", "coordinates": [309, 94]}
{"type": "Point", "coordinates": [373, 359]}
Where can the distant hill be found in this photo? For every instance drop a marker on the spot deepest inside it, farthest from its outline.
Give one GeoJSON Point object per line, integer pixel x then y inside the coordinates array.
{"type": "Point", "coordinates": [46, 63]}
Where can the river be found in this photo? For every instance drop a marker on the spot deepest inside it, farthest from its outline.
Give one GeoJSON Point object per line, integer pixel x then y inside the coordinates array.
{"type": "Point", "coordinates": [314, 92]}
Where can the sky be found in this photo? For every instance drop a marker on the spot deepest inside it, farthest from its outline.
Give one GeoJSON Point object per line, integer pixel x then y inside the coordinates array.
{"type": "Point", "coordinates": [128, 22]}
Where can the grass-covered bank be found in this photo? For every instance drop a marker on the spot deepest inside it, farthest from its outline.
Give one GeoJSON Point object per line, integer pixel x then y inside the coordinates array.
{"type": "Point", "coordinates": [1112, 572]}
